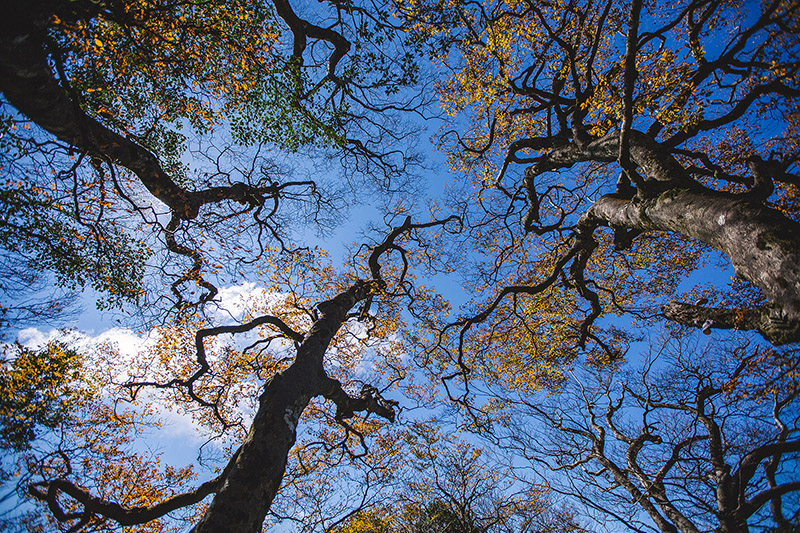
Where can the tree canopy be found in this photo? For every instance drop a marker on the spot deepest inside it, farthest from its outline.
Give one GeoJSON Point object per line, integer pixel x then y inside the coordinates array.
{"type": "Point", "coordinates": [612, 163]}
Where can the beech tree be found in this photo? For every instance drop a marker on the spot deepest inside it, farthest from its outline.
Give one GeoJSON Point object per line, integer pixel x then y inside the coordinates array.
{"type": "Point", "coordinates": [613, 149]}
{"type": "Point", "coordinates": [101, 102]}
{"type": "Point", "coordinates": [604, 151]}
{"type": "Point", "coordinates": [138, 139]}
{"type": "Point", "coordinates": [612, 146]}
{"type": "Point", "coordinates": [696, 437]}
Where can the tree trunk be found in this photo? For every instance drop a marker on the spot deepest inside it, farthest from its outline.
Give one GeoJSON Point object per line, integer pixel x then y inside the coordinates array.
{"type": "Point", "coordinates": [762, 244]}
{"type": "Point", "coordinates": [27, 82]}
{"type": "Point", "coordinates": [242, 502]}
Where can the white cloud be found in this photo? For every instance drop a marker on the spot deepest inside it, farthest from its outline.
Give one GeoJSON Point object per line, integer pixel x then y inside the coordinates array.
{"type": "Point", "coordinates": [36, 338]}
{"type": "Point", "coordinates": [129, 343]}
{"type": "Point", "coordinates": [179, 436]}
{"type": "Point", "coordinates": [232, 304]}
{"type": "Point", "coordinates": [234, 301]}
{"type": "Point", "coordinates": [178, 429]}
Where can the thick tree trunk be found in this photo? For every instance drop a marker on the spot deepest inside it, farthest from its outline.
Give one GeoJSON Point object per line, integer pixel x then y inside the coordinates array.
{"type": "Point", "coordinates": [762, 244]}
{"type": "Point", "coordinates": [249, 489]}
{"type": "Point", "coordinates": [27, 82]}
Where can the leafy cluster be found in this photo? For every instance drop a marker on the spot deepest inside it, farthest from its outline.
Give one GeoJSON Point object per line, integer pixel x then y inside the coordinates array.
{"type": "Point", "coordinates": [40, 389]}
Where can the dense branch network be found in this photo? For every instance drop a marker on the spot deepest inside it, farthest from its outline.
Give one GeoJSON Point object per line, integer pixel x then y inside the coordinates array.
{"type": "Point", "coordinates": [258, 465]}
{"type": "Point", "coordinates": [49, 97]}
{"type": "Point", "coordinates": [667, 442]}
{"type": "Point", "coordinates": [546, 86]}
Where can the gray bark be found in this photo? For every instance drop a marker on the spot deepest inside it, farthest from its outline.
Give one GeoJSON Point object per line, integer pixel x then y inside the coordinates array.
{"type": "Point", "coordinates": [762, 244]}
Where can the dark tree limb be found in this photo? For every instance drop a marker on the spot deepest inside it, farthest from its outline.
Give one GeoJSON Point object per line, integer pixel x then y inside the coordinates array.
{"type": "Point", "coordinates": [49, 491]}
{"type": "Point", "coordinates": [27, 81]}
{"type": "Point", "coordinates": [369, 401]}
{"type": "Point", "coordinates": [630, 76]}
{"type": "Point", "coordinates": [769, 322]}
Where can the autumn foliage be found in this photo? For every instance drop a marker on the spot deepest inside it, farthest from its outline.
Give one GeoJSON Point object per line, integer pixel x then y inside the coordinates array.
{"type": "Point", "coordinates": [519, 353]}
